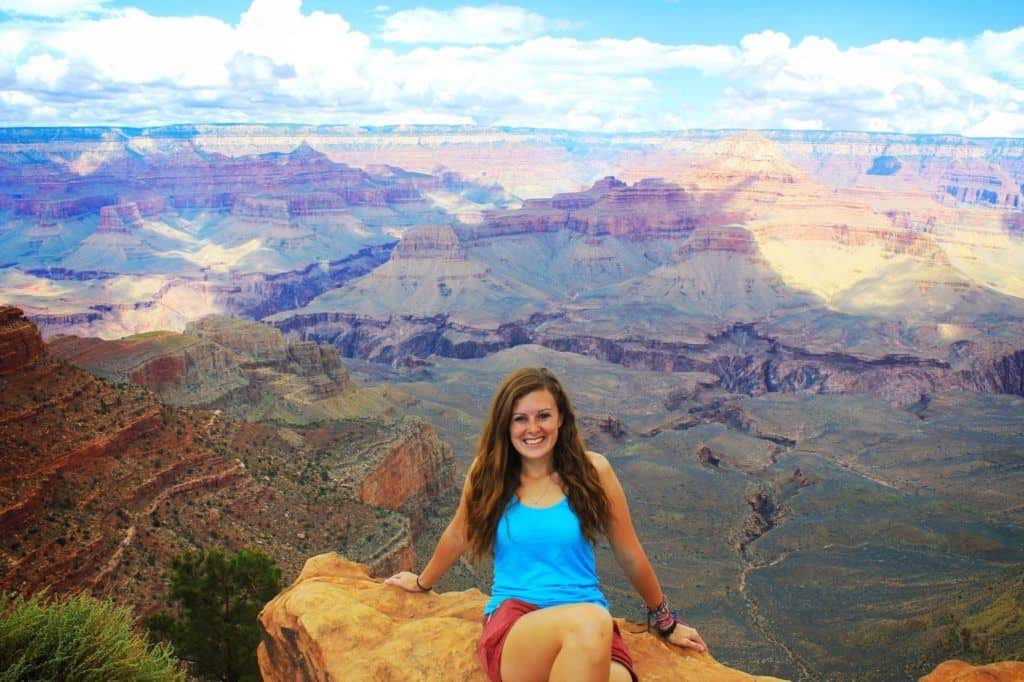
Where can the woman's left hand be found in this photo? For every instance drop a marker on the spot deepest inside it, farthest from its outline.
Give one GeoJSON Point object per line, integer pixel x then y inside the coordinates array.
{"type": "Point", "coordinates": [687, 637]}
{"type": "Point", "coordinates": [405, 580]}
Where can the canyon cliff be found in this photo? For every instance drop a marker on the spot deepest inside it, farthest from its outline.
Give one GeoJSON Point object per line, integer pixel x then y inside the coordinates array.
{"type": "Point", "coordinates": [102, 483]}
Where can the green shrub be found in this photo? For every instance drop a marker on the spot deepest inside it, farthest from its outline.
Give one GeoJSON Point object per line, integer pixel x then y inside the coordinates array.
{"type": "Point", "coordinates": [77, 638]}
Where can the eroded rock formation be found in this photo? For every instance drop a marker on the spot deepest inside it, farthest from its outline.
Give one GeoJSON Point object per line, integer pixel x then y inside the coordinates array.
{"type": "Point", "coordinates": [20, 341]}
{"type": "Point", "coordinates": [337, 622]}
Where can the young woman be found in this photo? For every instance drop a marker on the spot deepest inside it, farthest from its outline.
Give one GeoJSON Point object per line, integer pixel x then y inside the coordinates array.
{"type": "Point", "coordinates": [537, 501]}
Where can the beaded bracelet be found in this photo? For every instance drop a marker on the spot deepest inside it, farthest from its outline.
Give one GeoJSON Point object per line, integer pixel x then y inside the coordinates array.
{"type": "Point", "coordinates": [663, 619]}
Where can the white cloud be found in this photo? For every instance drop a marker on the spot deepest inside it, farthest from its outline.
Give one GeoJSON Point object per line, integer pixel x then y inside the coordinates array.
{"type": "Point", "coordinates": [50, 8]}
{"type": "Point", "coordinates": [279, 63]}
{"type": "Point", "coordinates": [42, 69]}
{"type": "Point", "coordinates": [134, 48]}
{"type": "Point", "coordinates": [927, 85]}
{"type": "Point", "coordinates": [493, 24]}
{"type": "Point", "coordinates": [996, 123]}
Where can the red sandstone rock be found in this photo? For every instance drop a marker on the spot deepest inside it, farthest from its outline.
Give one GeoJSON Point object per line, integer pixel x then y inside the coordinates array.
{"type": "Point", "coordinates": [418, 465]}
{"type": "Point", "coordinates": [20, 341]}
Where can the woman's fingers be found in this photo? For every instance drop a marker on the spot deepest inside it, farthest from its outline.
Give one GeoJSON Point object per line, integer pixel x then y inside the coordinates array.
{"type": "Point", "coordinates": [403, 579]}
{"type": "Point", "coordinates": [687, 637]}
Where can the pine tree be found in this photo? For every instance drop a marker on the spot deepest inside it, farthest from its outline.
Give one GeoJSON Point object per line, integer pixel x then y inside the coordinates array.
{"type": "Point", "coordinates": [218, 598]}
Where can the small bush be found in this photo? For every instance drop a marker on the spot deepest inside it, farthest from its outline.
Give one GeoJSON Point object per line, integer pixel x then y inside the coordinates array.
{"type": "Point", "coordinates": [77, 638]}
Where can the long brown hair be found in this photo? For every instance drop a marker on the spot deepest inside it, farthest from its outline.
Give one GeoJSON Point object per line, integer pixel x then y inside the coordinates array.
{"type": "Point", "coordinates": [494, 475]}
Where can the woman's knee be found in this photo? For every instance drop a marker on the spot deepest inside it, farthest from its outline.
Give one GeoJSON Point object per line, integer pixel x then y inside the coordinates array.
{"type": "Point", "coordinates": [589, 626]}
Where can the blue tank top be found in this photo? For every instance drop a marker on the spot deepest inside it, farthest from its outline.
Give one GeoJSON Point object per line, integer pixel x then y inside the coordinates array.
{"type": "Point", "coordinates": [541, 557]}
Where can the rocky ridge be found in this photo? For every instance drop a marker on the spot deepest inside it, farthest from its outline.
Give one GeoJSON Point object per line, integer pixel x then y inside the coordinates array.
{"type": "Point", "coordinates": [100, 484]}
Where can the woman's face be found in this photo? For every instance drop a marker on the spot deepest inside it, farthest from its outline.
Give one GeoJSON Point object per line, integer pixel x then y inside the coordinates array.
{"type": "Point", "coordinates": [534, 425]}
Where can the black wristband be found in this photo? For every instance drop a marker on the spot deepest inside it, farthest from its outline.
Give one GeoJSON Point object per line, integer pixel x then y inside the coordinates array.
{"type": "Point", "coordinates": [420, 587]}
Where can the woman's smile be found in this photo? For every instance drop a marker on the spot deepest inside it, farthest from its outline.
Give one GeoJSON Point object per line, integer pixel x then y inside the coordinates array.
{"type": "Point", "coordinates": [534, 426]}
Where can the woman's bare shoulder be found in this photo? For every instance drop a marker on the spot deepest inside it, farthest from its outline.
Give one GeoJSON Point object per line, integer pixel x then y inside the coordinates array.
{"type": "Point", "coordinates": [599, 461]}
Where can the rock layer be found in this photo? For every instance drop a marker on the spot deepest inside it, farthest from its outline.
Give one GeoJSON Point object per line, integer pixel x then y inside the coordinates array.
{"type": "Point", "coordinates": [338, 622]}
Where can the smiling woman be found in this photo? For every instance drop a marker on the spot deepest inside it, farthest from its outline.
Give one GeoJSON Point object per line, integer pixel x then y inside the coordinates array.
{"type": "Point", "coordinates": [537, 501]}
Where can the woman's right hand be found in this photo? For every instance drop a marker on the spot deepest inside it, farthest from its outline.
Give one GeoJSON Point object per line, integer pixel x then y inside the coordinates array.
{"type": "Point", "coordinates": [405, 580]}
{"type": "Point", "coordinates": [687, 637]}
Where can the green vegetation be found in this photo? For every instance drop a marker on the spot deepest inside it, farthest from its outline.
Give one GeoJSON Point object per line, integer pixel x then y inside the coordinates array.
{"type": "Point", "coordinates": [77, 638]}
{"type": "Point", "coordinates": [998, 628]}
{"type": "Point", "coordinates": [218, 598]}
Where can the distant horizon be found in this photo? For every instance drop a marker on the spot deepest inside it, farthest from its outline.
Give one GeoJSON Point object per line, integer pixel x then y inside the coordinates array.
{"type": "Point", "coordinates": [901, 66]}
{"type": "Point", "coordinates": [482, 127]}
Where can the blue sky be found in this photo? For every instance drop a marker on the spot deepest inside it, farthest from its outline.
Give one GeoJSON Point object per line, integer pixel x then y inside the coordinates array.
{"type": "Point", "coordinates": [940, 67]}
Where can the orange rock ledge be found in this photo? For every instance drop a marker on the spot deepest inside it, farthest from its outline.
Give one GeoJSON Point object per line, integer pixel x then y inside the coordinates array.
{"type": "Point", "coordinates": [958, 671]}
{"type": "Point", "coordinates": [336, 622]}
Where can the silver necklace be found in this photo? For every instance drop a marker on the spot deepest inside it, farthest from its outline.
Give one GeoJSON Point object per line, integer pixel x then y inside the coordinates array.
{"type": "Point", "coordinates": [545, 487]}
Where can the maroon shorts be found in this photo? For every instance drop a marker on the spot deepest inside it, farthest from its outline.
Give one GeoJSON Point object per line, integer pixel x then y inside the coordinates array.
{"type": "Point", "coordinates": [501, 620]}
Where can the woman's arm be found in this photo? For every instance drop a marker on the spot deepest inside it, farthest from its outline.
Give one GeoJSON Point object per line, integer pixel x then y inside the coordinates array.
{"type": "Point", "coordinates": [449, 548]}
{"type": "Point", "coordinates": [630, 553]}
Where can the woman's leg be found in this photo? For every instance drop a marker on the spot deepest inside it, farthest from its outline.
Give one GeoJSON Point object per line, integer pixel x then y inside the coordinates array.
{"type": "Point", "coordinates": [619, 673]}
{"type": "Point", "coordinates": [570, 642]}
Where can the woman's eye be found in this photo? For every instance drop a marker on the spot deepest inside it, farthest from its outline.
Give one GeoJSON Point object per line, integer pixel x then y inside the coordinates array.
{"type": "Point", "coordinates": [519, 418]}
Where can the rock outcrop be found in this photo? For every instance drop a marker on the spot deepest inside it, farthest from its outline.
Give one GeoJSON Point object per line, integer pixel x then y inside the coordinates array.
{"type": "Point", "coordinates": [647, 209]}
{"type": "Point", "coordinates": [958, 671]}
{"type": "Point", "coordinates": [120, 218]}
{"type": "Point", "coordinates": [338, 622]}
{"type": "Point", "coordinates": [431, 242]}
{"type": "Point", "coordinates": [20, 341]}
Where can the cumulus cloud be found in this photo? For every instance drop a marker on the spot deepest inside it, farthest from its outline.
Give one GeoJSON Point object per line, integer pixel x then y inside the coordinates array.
{"type": "Point", "coordinates": [495, 65]}
{"type": "Point", "coordinates": [493, 24]}
{"type": "Point", "coordinates": [928, 85]}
